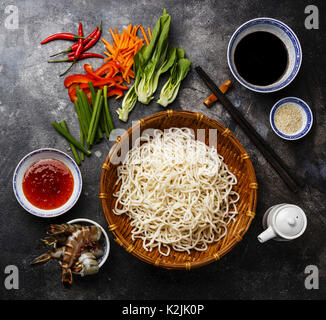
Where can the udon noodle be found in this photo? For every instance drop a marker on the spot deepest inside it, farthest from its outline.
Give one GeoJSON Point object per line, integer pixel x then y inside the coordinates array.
{"type": "Point", "coordinates": [177, 191]}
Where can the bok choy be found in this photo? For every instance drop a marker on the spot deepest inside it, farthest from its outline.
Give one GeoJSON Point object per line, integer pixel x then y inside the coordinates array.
{"type": "Point", "coordinates": [179, 71]}
{"type": "Point", "coordinates": [155, 64]}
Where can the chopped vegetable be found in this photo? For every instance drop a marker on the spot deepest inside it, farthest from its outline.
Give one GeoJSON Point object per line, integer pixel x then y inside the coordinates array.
{"type": "Point", "coordinates": [107, 111]}
{"type": "Point", "coordinates": [70, 138]}
{"type": "Point", "coordinates": [72, 147]}
{"type": "Point", "coordinates": [124, 48]}
{"type": "Point", "coordinates": [95, 117]}
{"type": "Point", "coordinates": [128, 104]}
{"type": "Point", "coordinates": [179, 71]}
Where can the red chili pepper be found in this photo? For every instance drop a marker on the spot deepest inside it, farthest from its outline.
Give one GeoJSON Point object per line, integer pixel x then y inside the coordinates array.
{"type": "Point", "coordinates": [82, 56]}
{"type": "Point", "coordinates": [79, 48]}
{"type": "Point", "coordinates": [75, 45]}
{"type": "Point", "coordinates": [63, 36]}
{"type": "Point", "coordinates": [80, 43]}
{"type": "Point", "coordinates": [92, 42]}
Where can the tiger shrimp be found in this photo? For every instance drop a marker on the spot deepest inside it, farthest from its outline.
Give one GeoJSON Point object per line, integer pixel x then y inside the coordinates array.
{"type": "Point", "coordinates": [55, 253]}
{"type": "Point", "coordinates": [64, 228]}
{"type": "Point", "coordinates": [86, 264]}
{"type": "Point", "coordinates": [82, 237]}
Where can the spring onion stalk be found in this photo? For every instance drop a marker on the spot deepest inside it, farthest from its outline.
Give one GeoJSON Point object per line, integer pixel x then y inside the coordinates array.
{"type": "Point", "coordinates": [93, 127]}
{"type": "Point", "coordinates": [82, 156]}
{"type": "Point", "coordinates": [64, 126]}
{"type": "Point", "coordinates": [179, 71]}
{"type": "Point", "coordinates": [107, 110]}
{"type": "Point", "coordinates": [85, 113]}
{"type": "Point", "coordinates": [92, 90]}
{"type": "Point", "coordinates": [70, 138]}
{"type": "Point", "coordinates": [88, 111]}
{"type": "Point", "coordinates": [82, 121]}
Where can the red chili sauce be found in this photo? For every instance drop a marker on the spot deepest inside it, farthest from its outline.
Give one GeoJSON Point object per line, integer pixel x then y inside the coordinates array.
{"type": "Point", "coordinates": [48, 184]}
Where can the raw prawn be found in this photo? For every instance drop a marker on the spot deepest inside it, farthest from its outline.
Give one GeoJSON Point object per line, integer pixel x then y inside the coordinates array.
{"type": "Point", "coordinates": [64, 228]}
{"type": "Point", "coordinates": [82, 237]}
{"type": "Point", "coordinates": [56, 253]}
{"type": "Point", "coordinates": [86, 264]}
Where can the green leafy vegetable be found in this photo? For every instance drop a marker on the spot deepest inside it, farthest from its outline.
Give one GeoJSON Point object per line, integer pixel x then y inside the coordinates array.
{"type": "Point", "coordinates": [154, 60]}
{"type": "Point", "coordinates": [128, 104]}
{"type": "Point", "coordinates": [179, 71]}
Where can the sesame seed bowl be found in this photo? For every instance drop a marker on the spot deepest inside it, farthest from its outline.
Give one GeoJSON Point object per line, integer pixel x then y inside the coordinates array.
{"type": "Point", "coordinates": [291, 118]}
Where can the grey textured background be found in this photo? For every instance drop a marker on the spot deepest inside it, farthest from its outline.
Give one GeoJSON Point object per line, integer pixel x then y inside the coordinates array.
{"type": "Point", "coordinates": [32, 95]}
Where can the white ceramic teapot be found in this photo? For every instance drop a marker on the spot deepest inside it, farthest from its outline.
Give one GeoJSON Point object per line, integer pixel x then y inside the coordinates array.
{"type": "Point", "coordinates": [283, 222]}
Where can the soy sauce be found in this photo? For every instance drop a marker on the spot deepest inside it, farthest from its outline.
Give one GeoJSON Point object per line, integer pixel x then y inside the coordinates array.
{"type": "Point", "coordinates": [261, 58]}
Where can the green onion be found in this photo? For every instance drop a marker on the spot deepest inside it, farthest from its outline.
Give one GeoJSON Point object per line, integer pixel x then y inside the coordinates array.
{"type": "Point", "coordinates": [81, 118]}
{"type": "Point", "coordinates": [82, 156]}
{"type": "Point", "coordinates": [88, 107]}
{"type": "Point", "coordinates": [92, 90]}
{"type": "Point", "coordinates": [84, 112]}
{"type": "Point", "coordinates": [64, 126]}
{"type": "Point", "coordinates": [93, 127]}
{"type": "Point", "coordinates": [106, 109]}
{"type": "Point", "coordinates": [70, 138]}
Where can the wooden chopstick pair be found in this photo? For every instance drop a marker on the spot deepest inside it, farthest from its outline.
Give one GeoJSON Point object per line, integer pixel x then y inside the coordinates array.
{"type": "Point", "coordinates": [259, 142]}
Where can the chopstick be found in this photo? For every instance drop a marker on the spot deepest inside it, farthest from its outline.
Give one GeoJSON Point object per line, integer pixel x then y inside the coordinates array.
{"type": "Point", "coordinates": [269, 154]}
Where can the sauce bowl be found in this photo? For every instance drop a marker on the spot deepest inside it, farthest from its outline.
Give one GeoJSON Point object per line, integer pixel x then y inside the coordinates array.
{"type": "Point", "coordinates": [307, 118]}
{"type": "Point", "coordinates": [285, 34]}
{"type": "Point", "coordinates": [26, 162]}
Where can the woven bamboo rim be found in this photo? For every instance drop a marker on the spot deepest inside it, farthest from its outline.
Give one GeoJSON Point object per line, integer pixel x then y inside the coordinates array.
{"type": "Point", "coordinates": [239, 163]}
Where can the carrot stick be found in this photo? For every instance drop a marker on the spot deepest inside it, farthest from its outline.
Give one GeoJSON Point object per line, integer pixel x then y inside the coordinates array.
{"type": "Point", "coordinates": [144, 34]}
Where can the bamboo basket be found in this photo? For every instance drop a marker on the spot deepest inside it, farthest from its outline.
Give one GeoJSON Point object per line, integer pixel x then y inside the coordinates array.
{"type": "Point", "coordinates": [238, 162]}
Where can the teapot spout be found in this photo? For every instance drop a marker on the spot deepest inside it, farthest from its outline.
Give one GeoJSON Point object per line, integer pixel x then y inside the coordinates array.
{"type": "Point", "coordinates": [268, 234]}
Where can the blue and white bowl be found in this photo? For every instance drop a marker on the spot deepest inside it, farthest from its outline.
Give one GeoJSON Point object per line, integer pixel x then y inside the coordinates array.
{"type": "Point", "coordinates": [26, 162]}
{"type": "Point", "coordinates": [283, 32]}
{"type": "Point", "coordinates": [306, 116]}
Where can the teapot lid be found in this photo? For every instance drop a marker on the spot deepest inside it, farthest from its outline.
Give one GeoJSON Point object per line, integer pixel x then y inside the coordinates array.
{"type": "Point", "coordinates": [290, 221]}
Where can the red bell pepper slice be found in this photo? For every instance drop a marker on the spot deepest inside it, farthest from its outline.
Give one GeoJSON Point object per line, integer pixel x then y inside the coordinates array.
{"type": "Point", "coordinates": [77, 78]}
{"type": "Point", "coordinates": [115, 92]}
{"type": "Point", "coordinates": [89, 70]}
{"type": "Point", "coordinates": [109, 69]}
{"type": "Point", "coordinates": [105, 81]}
{"type": "Point", "coordinates": [72, 92]}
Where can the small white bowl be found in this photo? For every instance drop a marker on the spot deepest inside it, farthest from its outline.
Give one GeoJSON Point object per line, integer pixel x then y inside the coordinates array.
{"type": "Point", "coordinates": [104, 241]}
{"type": "Point", "coordinates": [306, 115]}
{"type": "Point", "coordinates": [284, 33]}
{"type": "Point", "coordinates": [27, 161]}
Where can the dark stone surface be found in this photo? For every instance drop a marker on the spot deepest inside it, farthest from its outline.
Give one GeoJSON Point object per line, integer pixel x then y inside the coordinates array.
{"type": "Point", "coordinates": [32, 95]}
